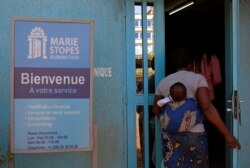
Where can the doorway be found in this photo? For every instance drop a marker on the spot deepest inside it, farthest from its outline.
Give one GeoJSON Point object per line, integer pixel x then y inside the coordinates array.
{"type": "Point", "coordinates": [201, 25]}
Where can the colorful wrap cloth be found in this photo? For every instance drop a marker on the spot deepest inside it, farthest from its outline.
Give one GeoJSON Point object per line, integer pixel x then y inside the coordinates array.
{"type": "Point", "coordinates": [182, 148]}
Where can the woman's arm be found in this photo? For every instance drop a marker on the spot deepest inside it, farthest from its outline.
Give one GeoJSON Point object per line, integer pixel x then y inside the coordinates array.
{"type": "Point", "coordinates": [211, 113]}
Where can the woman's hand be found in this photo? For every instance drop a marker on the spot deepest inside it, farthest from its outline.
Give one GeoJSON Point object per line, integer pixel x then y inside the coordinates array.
{"type": "Point", "coordinates": [232, 142]}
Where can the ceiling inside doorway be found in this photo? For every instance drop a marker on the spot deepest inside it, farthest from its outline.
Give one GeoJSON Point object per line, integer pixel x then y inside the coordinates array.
{"type": "Point", "coordinates": [207, 7]}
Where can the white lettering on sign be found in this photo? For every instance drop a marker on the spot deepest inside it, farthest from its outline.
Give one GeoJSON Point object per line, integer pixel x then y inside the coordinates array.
{"type": "Point", "coordinates": [67, 45]}
{"type": "Point", "coordinates": [30, 78]}
{"type": "Point", "coordinates": [103, 72]}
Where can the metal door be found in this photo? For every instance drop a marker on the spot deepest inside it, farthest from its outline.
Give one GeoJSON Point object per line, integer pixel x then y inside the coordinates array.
{"type": "Point", "coordinates": [145, 67]}
{"type": "Point", "coordinates": [243, 81]}
{"type": "Point", "coordinates": [237, 87]}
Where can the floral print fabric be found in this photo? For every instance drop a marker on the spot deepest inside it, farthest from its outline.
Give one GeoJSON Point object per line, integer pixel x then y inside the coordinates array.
{"type": "Point", "coordinates": [181, 148]}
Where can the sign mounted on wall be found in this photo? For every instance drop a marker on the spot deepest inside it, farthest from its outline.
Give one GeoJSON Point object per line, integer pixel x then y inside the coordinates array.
{"type": "Point", "coordinates": [51, 92]}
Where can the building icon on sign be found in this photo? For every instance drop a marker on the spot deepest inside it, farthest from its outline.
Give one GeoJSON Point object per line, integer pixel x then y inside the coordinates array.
{"type": "Point", "coordinates": [37, 43]}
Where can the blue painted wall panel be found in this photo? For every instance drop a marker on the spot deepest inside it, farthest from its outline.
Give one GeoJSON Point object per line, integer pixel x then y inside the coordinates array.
{"type": "Point", "coordinates": [109, 52]}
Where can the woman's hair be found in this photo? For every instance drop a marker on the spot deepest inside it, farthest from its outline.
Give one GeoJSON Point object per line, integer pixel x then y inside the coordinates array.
{"type": "Point", "coordinates": [198, 57]}
{"type": "Point", "coordinates": [181, 58]}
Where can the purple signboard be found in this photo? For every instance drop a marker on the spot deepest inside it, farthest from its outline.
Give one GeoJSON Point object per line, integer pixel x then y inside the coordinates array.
{"type": "Point", "coordinates": [51, 92]}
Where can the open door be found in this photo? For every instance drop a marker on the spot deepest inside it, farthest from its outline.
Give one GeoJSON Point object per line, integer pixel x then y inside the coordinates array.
{"type": "Point", "coordinates": [145, 60]}
{"type": "Point", "coordinates": [237, 89]}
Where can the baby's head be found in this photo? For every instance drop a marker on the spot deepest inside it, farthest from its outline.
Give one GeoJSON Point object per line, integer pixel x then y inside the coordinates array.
{"type": "Point", "coordinates": [178, 91]}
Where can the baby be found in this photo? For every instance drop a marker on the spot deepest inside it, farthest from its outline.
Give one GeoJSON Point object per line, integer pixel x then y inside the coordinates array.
{"type": "Point", "coordinates": [178, 92]}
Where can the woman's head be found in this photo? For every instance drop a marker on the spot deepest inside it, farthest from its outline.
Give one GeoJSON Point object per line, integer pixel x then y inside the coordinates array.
{"type": "Point", "coordinates": [181, 58]}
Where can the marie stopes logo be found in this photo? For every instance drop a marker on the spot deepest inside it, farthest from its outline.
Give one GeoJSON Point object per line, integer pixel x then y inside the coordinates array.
{"type": "Point", "coordinates": [59, 48]}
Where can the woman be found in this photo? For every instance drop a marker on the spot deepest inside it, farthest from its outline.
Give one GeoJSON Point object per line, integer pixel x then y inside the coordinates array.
{"type": "Point", "coordinates": [189, 148]}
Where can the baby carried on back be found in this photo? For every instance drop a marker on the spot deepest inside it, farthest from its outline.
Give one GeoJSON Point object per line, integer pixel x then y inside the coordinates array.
{"type": "Point", "coordinates": [180, 113]}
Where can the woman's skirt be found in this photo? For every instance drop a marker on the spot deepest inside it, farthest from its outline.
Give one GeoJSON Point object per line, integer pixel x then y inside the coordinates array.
{"type": "Point", "coordinates": [185, 150]}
